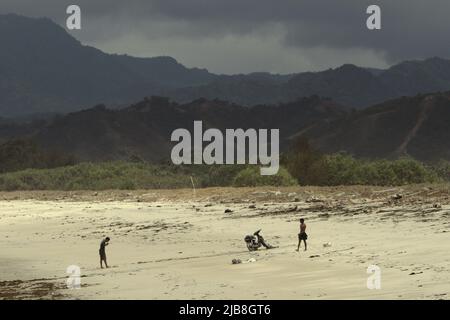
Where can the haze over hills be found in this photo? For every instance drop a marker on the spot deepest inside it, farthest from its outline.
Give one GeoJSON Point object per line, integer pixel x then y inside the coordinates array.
{"type": "Point", "coordinates": [410, 126]}
{"type": "Point", "coordinates": [348, 85]}
{"type": "Point", "coordinates": [43, 69]}
{"type": "Point", "coordinates": [143, 130]}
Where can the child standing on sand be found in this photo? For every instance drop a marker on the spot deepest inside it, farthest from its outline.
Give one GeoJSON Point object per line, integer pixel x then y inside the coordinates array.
{"type": "Point", "coordinates": [102, 252]}
{"type": "Point", "coordinates": [302, 235]}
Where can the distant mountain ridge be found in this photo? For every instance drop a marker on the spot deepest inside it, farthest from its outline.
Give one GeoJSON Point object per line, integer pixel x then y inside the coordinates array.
{"type": "Point", "coordinates": [143, 130]}
{"type": "Point", "coordinates": [349, 85]}
{"type": "Point", "coordinates": [43, 69]}
{"type": "Point", "coordinates": [409, 126]}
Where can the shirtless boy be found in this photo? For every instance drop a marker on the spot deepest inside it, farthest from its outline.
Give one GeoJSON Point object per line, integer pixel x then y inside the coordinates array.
{"type": "Point", "coordinates": [302, 235]}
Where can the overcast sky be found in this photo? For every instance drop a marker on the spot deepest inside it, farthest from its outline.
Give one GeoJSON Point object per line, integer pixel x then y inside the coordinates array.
{"type": "Point", "coordinates": [241, 36]}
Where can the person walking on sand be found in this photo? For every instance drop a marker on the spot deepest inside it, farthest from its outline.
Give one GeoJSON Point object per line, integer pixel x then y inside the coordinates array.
{"type": "Point", "coordinates": [102, 252]}
{"type": "Point", "coordinates": [302, 235]}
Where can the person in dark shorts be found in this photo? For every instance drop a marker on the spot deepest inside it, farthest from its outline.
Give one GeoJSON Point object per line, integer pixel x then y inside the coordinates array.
{"type": "Point", "coordinates": [102, 252]}
{"type": "Point", "coordinates": [302, 236]}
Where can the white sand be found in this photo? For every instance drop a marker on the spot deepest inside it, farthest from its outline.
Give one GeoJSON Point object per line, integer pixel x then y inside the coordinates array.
{"type": "Point", "coordinates": [173, 250]}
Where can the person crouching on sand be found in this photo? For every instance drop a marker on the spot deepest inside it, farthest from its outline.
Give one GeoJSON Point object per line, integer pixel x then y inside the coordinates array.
{"type": "Point", "coordinates": [302, 235]}
{"type": "Point", "coordinates": [102, 252]}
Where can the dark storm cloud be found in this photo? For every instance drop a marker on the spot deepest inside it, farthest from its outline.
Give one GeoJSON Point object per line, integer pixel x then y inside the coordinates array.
{"type": "Point", "coordinates": [292, 34]}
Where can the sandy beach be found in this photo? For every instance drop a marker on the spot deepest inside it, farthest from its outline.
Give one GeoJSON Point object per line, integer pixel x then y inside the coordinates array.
{"type": "Point", "coordinates": [177, 244]}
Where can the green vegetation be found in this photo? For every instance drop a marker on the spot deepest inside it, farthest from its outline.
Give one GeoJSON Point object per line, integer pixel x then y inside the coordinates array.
{"type": "Point", "coordinates": [341, 169]}
{"type": "Point", "coordinates": [128, 175]}
{"type": "Point", "coordinates": [442, 169]}
{"type": "Point", "coordinates": [19, 154]}
{"type": "Point", "coordinates": [251, 177]}
{"type": "Point", "coordinates": [301, 165]}
{"type": "Point", "coordinates": [310, 167]}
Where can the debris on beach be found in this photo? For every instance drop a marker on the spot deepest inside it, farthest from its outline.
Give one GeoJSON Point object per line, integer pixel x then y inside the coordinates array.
{"type": "Point", "coordinates": [397, 196]}
{"type": "Point", "coordinates": [239, 261]}
{"type": "Point", "coordinates": [292, 209]}
{"type": "Point", "coordinates": [313, 199]}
